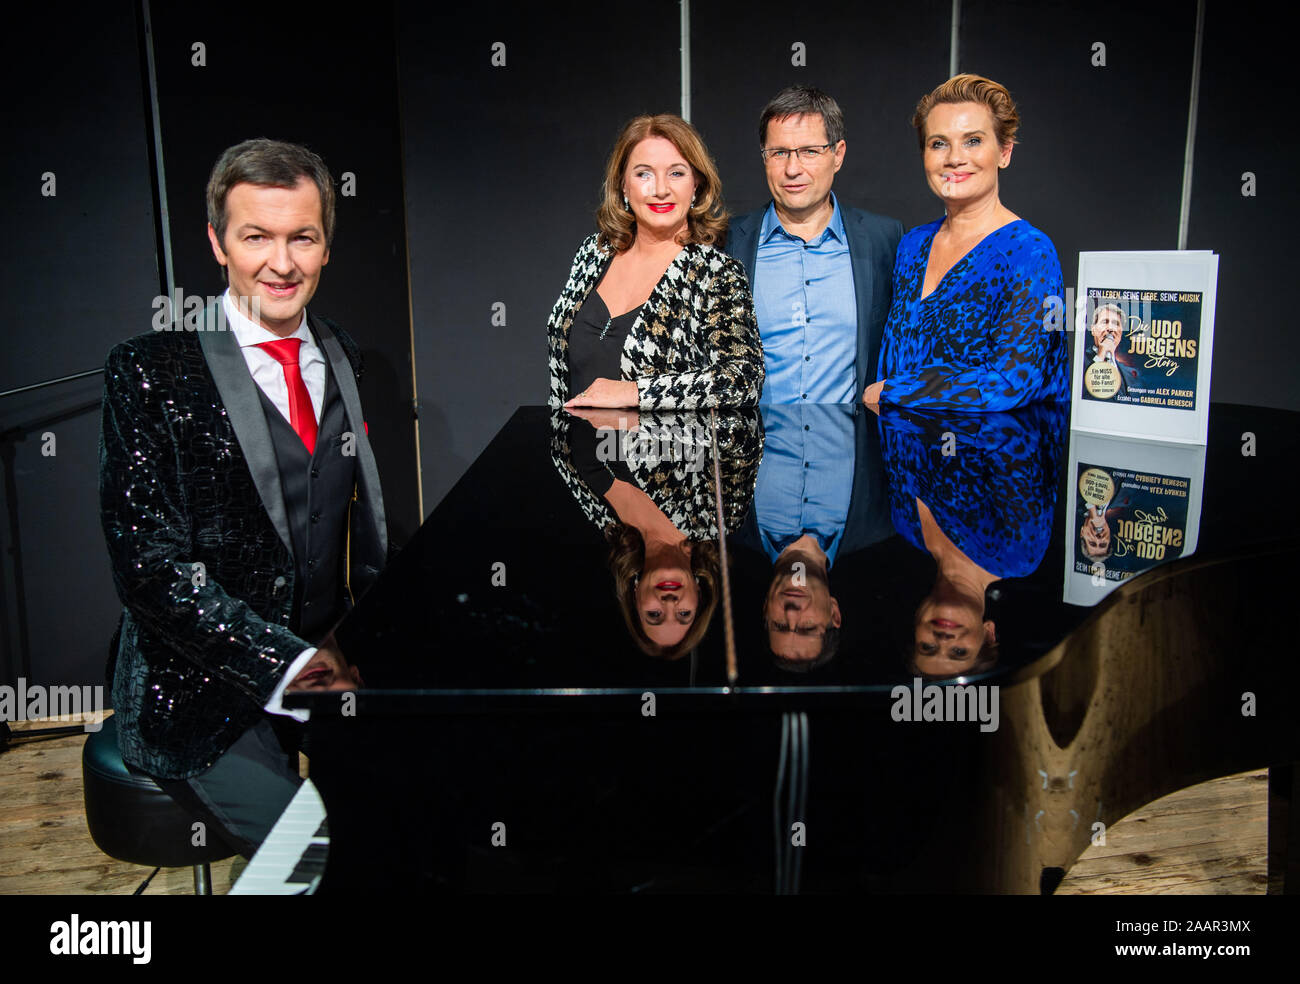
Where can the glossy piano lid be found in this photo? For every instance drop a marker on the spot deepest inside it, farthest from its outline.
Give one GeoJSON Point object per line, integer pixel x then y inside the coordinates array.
{"type": "Point", "coordinates": [505, 592]}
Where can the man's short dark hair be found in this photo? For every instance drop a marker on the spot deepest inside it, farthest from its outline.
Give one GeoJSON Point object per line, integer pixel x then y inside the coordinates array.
{"type": "Point", "coordinates": [830, 646]}
{"type": "Point", "coordinates": [798, 100]}
{"type": "Point", "coordinates": [271, 164]}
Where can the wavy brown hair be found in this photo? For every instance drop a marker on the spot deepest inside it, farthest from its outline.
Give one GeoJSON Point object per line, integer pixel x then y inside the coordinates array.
{"type": "Point", "coordinates": [976, 89]}
{"type": "Point", "coordinates": [627, 558]}
{"type": "Point", "coordinates": [706, 220]}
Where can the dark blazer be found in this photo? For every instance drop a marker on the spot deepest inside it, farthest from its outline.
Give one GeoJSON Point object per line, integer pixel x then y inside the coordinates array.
{"type": "Point", "coordinates": [694, 345]}
{"type": "Point", "coordinates": [188, 476]}
{"type": "Point", "coordinates": [873, 241]}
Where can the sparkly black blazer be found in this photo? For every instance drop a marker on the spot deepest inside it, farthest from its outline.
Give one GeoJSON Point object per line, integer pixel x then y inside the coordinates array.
{"type": "Point", "coordinates": [695, 344]}
{"type": "Point", "coordinates": [187, 477]}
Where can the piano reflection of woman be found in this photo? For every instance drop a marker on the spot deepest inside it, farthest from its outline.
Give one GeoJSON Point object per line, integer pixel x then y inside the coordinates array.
{"type": "Point", "coordinates": [646, 481]}
{"type": "Point", "coordinates": [977, 494]}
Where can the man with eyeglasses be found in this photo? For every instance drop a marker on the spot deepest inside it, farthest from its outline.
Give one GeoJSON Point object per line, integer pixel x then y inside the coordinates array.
{"type": "Point", "coordinates": [821, 273]}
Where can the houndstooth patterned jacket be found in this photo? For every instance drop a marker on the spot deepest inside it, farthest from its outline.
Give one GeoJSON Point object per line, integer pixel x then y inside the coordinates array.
{"type": "Point", "coordinates": [670, 455]}
{"type": "Point", "coordinates": [695, 344]}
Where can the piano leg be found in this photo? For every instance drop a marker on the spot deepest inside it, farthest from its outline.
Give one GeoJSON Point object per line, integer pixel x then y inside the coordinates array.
{"type": "Point", "coordinates": [1283, 830]}
{"type": "Point", "coordinates": [202, 879]}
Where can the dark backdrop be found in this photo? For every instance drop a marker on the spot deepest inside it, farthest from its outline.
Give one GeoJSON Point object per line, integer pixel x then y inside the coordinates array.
{"type": "Point", "coordinates": [493, 173]}
{"type": "Point", "coordinates": [335, 91]}
{"type": "Point", "coordinates": [78, 274]}
{"type": "Point", "coordinates": [875, 62]}
{"type": "Point", "coordinates": [504, 168]}
{"type": "Point", "coordinates": [1100, 160]}
{"type": "Point", "coordinates": [1247, 82]}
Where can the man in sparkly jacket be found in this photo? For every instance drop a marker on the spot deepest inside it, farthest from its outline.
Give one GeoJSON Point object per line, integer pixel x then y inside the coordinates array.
{"type": "Point", "coordinates": [240, 502]}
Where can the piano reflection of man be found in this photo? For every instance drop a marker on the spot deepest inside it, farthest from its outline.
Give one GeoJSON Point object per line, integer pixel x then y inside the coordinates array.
{"type": "Point", "coordinates": [820, 495]}
{"type": "Point", "coordinates": [976, 492]}
{"type": "Point", "coordinates": [646, 481]}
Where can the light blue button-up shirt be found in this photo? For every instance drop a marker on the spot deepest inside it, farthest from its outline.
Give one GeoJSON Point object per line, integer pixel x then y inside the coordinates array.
{"type": "Point", "coordinates": [806, 479]}
{"type": "Point", "coordinates": [807, 313]}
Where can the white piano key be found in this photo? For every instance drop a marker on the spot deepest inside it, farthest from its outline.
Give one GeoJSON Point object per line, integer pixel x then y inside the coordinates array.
{"type": "Point", "coordinates": [284, 846]}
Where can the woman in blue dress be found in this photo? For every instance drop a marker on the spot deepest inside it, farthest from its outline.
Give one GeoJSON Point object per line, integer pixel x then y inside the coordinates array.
{"type": "Point", "coordinates": [969, 328]}
{"type": "Point", "coordinates": [978, 493]}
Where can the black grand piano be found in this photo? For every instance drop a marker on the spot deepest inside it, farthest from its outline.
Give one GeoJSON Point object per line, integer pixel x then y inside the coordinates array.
{"type": "Point", "coordinates": [848, 722]}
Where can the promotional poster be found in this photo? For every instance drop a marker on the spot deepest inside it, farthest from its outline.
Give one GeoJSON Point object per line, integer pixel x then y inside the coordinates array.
{"type": "Point", "coordinates": [1135, 505]}
{"type": "Point", "coordinates": [1142, 347]}
{"type": "Point", "coordinates": [1127, 521]}
{"type": "Point", "coordinates": [1144, 339]}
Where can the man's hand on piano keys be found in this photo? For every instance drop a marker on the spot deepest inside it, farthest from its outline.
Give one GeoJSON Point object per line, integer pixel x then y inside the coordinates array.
{"type": "Point", "coordinates": [327, 670]}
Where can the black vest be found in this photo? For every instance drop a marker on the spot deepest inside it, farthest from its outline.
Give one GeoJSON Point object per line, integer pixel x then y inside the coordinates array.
{"type": "Point", "coordinates": [317, 490]}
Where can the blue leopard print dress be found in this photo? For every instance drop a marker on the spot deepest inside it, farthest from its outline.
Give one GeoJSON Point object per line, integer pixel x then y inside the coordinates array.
{"type": "Point", "coordinates": [979, 341]}
{"type": "Point", "coordinates": [990, 481]}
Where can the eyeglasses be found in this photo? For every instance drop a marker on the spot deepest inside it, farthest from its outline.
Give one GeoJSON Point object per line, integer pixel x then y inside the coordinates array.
{"type": "Point", "coordinates": [806, 154]}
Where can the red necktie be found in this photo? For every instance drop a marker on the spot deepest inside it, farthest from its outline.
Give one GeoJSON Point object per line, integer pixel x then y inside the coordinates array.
{"type": "Point", "coordinates": [302, 416]}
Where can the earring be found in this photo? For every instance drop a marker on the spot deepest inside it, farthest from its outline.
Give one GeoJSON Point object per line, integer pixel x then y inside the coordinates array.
{"type": "Point", "coordinates": [626, 206]}
{"type": "Point", "coordinates": [693, 200]}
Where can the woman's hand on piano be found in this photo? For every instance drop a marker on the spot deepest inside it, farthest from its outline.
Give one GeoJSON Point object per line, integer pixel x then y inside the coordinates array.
{"type": "Point", "coordinates": [623, 420]}
{"type": "Point", "coordinates": [871, 395]}
{"type": "Point", "coordinates": [607, 393]}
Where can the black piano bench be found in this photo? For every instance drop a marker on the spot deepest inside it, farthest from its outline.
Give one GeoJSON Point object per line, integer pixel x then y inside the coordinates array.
{"type": "Point", "coordinates": [131, 819]}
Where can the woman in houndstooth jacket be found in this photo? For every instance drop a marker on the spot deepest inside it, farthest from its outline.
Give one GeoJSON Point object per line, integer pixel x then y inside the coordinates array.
{"type": "Point", "coordinates": [684, 336]}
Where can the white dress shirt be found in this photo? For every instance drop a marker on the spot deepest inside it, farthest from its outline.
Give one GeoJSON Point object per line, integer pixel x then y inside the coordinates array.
{"type": "Point", "coordinates": [266, 371]}
{"type": "Point", "coordinates": [269, 376]}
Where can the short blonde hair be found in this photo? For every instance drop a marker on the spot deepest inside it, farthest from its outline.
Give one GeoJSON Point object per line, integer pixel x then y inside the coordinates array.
{"type": "Point", "coordinates": [976, 89]}
{"type": "Point", "coordinates": [706, 220]}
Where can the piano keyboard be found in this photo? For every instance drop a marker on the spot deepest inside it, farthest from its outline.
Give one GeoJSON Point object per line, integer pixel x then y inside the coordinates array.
{"type": "Point", "coordinates": [292, 858]}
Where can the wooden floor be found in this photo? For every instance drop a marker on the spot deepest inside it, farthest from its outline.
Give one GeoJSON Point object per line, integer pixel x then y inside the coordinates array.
{"type": "Point", "coordinates": [1206, 839]}
{"type": "Point", "coordinates": [1210, 839]}
{"type": "Point", "coordinates": [45, 848]}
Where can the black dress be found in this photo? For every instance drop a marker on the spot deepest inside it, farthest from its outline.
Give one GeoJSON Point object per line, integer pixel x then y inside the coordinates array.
{"type": "Point", "coordinates": [596, 343]}
{"type": "Point", "coordinates": [598, 457]}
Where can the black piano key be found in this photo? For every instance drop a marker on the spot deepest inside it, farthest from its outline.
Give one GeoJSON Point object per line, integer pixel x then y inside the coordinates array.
{"type": "Point", "coordinates": [310, 866]}
{"type": "Point", "coordinates": [324, 829]}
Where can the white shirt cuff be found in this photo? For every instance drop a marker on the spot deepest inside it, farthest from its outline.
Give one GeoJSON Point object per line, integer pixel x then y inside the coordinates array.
{"type": "Point", "coordinates": [297, 666]}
